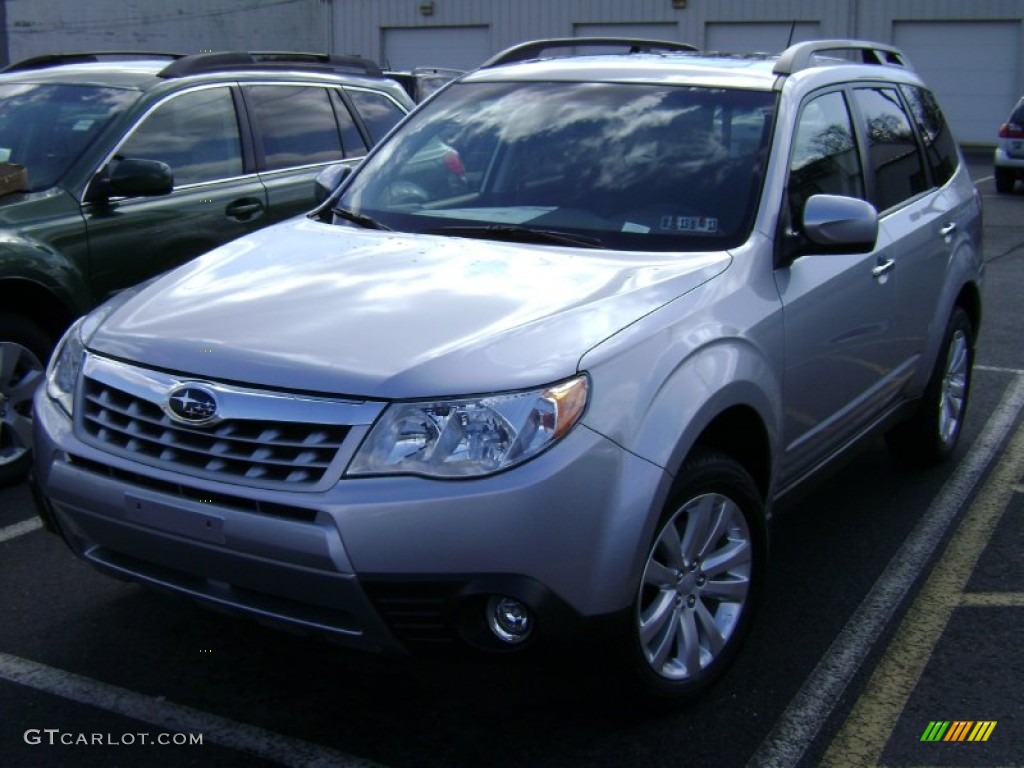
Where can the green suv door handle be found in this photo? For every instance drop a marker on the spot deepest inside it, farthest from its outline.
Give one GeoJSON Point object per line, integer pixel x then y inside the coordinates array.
{"type": "Point", "coordinates": [244, 209]}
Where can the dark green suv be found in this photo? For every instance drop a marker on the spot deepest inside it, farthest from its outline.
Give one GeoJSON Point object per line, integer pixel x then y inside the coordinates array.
{"type": "Point", "coordinates": [135, 165]}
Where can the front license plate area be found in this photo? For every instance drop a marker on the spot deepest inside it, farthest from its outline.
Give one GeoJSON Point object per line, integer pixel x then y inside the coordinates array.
{"type": "Point", "coordinates": [154, 513]}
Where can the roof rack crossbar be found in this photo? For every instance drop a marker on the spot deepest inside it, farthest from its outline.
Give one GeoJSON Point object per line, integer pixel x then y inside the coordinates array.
{"type": "Point", "coordinates": [534, 48]}
{"type": "Point", "coordinates": [81, 57]}
{"type": "Point", "coordinates": [269, 60]}
{"type": "Point", "coordinates": [802, 55]}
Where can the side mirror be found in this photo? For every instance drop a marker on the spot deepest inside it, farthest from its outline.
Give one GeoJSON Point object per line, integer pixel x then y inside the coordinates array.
{"type": "Point", "coordinates": [328, 180]}
{"type": "Point", "coordinates": [140, 178]}
{"type": "Point", "coordinates": [838, 224]}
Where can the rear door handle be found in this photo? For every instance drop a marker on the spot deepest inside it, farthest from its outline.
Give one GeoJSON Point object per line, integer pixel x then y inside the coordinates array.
{"type": "Point", "coordinates": [948, 230]}
{"type": "Point", "coordinates": [244, 209]}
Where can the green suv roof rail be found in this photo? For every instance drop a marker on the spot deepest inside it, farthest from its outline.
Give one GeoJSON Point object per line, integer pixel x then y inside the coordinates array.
{"type": "Point", "coordinates": [46, 60]}
{"type": "Point", "coordinates": [534, 48]}
{"type": "Point", "coordinates": [200, 63]}
{"type": "Point", "coordinates": [802, 55]}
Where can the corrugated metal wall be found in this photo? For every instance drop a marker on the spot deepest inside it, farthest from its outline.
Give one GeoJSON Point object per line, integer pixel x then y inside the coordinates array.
{"type": "Point", "coordinates": [187, 26]}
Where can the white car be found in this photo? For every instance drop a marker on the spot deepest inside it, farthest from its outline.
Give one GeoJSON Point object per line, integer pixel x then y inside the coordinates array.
{"type": "Point", "coordinates": [1009, 155]}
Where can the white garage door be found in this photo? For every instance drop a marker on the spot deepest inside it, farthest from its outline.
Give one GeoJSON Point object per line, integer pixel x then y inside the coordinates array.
{"type": "Point", "coordinates": [653, 31]}
{"type": "Point", "coordinates": [768, 37]}
{"type": "Point", "coordinates": [455, 47]}
{"type": "Point", "coordinates": [971, 65]}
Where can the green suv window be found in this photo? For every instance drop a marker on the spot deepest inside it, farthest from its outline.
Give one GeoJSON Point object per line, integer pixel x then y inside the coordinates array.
{"type": "Point", "coordinates": [195, 133]}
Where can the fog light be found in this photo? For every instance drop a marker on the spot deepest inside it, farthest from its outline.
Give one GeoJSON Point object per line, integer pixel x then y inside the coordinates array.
{"type": "Point", "coordinates": [509, 620]}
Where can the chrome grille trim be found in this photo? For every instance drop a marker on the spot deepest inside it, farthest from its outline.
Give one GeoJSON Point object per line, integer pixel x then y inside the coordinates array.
{"type": "Point", "coordinates": [263, 439]}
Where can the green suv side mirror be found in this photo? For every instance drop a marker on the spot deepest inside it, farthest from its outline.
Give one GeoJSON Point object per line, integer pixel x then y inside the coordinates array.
{"type": "Point", "coordinates": [140, 178]}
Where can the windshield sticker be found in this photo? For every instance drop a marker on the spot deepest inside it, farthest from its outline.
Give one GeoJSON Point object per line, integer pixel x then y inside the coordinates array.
{"type": "Point", "coordinates": [83, 125]}
{"type": "Point", "coordinates": [519, 215]}
{"type": "Point", "coordinates": [702, 225]}
{"type": "Point", "coordinates": [629, 226]}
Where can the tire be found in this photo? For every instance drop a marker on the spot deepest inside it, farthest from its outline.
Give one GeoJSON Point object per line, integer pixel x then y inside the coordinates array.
{"type": "Point", "coordinates": [1005, 179]}
{"type": "Point", "coordinates": [701, 580]}
{"type": "Point", "coordinates": [24, 350]}
{"type": "Point", "coordinates": [932, 433]}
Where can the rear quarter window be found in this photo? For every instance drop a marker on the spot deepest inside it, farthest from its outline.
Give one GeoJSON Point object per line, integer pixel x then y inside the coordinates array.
{"type": "Point", "coordinates": [379, 113]}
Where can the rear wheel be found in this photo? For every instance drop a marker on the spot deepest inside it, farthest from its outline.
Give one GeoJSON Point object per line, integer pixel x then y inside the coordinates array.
{"type": "Point", "coordinates": [701, 579]}
{"type": "Point", "coordinates": [24, 349]}
{"type": "Point", "coordinates": [1005, 180]}
{"type": "Point", "coordinates": [932, 433]}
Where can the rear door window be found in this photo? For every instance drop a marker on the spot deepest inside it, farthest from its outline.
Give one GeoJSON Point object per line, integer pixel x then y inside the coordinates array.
{"type": "Point", "coordinates": [295, 125]}
{"type": "Point", "coordinates": [939, 145]}
{"type": "Point", "coordinates": [895, 162]}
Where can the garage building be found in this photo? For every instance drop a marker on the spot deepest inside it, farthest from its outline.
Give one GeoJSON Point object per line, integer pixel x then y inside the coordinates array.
{"type": "Point", "coordinates": [970, 51]}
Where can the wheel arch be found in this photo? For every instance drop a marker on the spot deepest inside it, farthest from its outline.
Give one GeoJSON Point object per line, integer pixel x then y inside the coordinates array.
{"type": "Point", "coordinates": [38, 303]}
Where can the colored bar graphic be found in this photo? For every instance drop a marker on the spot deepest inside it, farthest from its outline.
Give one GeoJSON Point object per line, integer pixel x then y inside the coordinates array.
{"type": "Point", "coordinates": [958, 730]}
{"type": "Point", "coordinates": [935, 731]}
{"type": "Point", "coordinates": [982, 730]}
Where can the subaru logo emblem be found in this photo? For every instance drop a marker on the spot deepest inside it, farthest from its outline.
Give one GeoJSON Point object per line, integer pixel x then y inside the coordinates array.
{"type": "Point", "coordinates": [192, 405]}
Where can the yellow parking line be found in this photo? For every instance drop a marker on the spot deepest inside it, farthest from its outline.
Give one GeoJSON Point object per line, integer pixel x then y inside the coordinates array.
{"type": "Point", "coordinates": [866, 731]}
{"type": "Point", "coordinates": [992, 600]}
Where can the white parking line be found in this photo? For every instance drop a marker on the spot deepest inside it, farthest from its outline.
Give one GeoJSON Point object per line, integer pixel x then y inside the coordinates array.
{"type": "Point", "coordinates": [20, 528]}
{"type": "Point", "coordinates": [796, 729]}
{"type": "Point", "coordinates": [175, 717]}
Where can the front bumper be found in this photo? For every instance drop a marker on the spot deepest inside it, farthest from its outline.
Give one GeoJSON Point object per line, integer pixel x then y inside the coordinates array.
{"type": "Point", "coordinates": [380, 564]}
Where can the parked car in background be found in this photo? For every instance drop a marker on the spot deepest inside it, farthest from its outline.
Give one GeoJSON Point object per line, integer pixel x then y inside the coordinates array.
{"type": "Point", "coordinates": [129, 166]}
{"type": "Point", "coordinates": [1009, 154]}
{"type": "Point", "coordinates": [539, 368]}
{"type": "Point", "coordinates": [421, 82]}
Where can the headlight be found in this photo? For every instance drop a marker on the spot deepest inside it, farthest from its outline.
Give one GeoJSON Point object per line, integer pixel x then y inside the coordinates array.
{"type": "Point", "coordinates": [65, 365]}
{"type": "Point", "coordinates": [469, 437]}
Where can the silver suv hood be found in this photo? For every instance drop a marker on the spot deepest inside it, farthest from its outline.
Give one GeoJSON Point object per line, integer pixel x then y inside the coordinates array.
{"type": "Point", "coordinates": [321, 308]}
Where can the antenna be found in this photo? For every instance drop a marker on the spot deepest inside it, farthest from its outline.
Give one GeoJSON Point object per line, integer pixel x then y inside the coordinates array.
{"type": "Point", "coordinates": [792, 31]}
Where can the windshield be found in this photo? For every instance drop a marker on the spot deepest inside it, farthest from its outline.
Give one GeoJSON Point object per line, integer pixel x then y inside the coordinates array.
{"type": "Point", "coordinates": [623, 166]}
{"type": "Point", "coordinates": [47, 127]}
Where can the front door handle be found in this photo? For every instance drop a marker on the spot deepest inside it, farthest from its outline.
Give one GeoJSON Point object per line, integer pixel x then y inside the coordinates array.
{"type": "Point", "coordinates": [245, 209]}
{"type": "Point", "coordinates": [884, 265]}
{"type": "Point", "coordinates": [948, 230]}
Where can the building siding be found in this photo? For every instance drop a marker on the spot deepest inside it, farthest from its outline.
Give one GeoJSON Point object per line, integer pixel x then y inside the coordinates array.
{"type": "Point", "coordinates": [362, 26]}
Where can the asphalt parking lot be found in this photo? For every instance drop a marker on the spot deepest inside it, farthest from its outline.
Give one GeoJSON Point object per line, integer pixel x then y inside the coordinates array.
{"type": "Point", "coordinates": [890, 635]}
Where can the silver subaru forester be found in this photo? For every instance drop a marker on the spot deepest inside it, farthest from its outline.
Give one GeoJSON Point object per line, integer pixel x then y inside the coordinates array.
{"type": "Point", "coordinates": [543, 363]}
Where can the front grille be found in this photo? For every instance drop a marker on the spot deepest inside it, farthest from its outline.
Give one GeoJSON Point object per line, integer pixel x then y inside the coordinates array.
{"type": "Point", "coordinates": [255, 452]}
{"type": "Point", "coordinates": [241, 503]}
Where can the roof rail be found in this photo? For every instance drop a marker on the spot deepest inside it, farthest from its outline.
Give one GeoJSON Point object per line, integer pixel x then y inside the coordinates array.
{"type": "Point", "coordinates": [533, 49]}
{"type": "Point", "coordinates": [802, 55]}
{"type": "Point", "coordinates": [272, 60]}
{"type": "Point", "coordinates": [82, 57]}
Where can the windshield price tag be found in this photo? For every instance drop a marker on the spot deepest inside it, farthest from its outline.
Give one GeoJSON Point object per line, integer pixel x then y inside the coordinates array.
{"type": "Point", "coordinates": [704, 225]}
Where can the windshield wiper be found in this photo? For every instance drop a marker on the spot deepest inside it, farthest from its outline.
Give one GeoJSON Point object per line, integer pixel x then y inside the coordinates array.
{"type": "Point", "coordinates": [359, 218]}
{"type": "Point", "coordinates": [515, 234]}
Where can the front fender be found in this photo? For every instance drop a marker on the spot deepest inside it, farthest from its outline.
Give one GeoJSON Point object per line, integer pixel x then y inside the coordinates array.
{"type": "Point", "coordinates": [657, 400]}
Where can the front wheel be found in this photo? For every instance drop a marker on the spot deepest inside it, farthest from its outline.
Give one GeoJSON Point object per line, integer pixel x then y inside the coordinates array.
{"type": "Point", "coordinates": [701, 579]}
{"type": "Point", "coordinates": [932, 433]}
{"type": "Point", "coordinates": [24, 349]}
